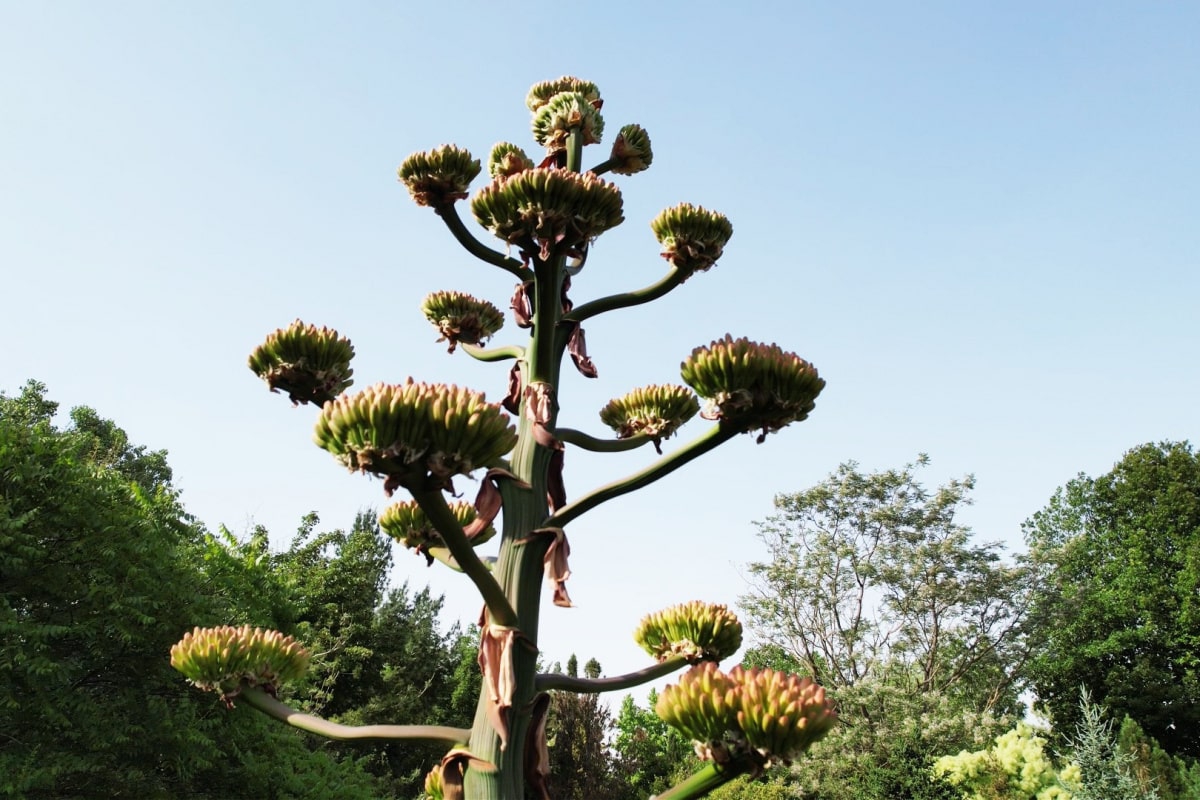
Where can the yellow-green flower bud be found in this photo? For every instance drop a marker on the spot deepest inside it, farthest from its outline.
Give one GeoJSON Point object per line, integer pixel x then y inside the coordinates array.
{"type": "Point", "coordinates": [223, 659]}
{"type": "Point", "coordinates": [541, 93]}
{"type": "Point", "coordinates": [703, 706]}
{"type": "Point", "coordinates": [752, 386]}
{"type": "Point", "coordinates": [415, 431]}
{"type": "Point", "coordinates": [781, 715]}
{"type": "Point", "coordinates": [554, 121]}
{"type": "Point", "coordinates": [692, 237]}
{"type": "Point", "coordinates": [547, 210]}
{"type": "Point", "coordinates": [311, 364]}
{"type": "Point", "coordinates": [654, 411]}
{"type": "Point", "coordinates": [697, 630]}
{"type": "Point", "coordinates": [433, 783]}
{"type": "Point", "coordinates": [462, 318]}
{"type": "Point", "coordinates": [438, 177]}
{"type": "Point", "coordinates": [631, 152]}
{"type": "Point", "coordinates": [508, 159]}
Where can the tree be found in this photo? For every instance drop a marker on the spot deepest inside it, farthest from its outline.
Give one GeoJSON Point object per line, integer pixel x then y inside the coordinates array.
{"type": "Point", "coordinates": [1118, 610]}
{"type": "Point", "coordinates": [419, 437]}
{"type": "Point", "coordinates": [1017, 766]}
{"type": "Point", "coordinates": [876, 590]}
{"type": "Point", "coordinates": [582, 766]}
{"type": "Point", "coordinates": [651, 752]}
{"type": "Point", "coordinates": [100, 569]}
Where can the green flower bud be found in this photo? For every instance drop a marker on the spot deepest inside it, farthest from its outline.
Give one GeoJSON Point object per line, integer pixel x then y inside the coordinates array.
{"type": "Point", "coordinates": [692, 237]}
{"type": "Point", "coordinates": [654, 411]}
{"type": "Point", "coordinates": [507, 159]}
{"type": "Point", "coordinates": [438, 177]}
{"type": "Point", "coordinates": [462, 318]}
{"type": "Point", "coordinates": [752, 386]}
{"type": "Point", "coordinates": [311, 364]}
{"type": "Point", "coordinates": [223, 659]}
{"type": "Point", "coordinates": [407, 524]}
{"type": "Point", "coordinates": [556, 210]}
{"type": "Point", "coordinates": [554, 121]}
{"type": "Point", "coordinates": [415, 431]}
{"type": "Point", "coordinates": [541, 93]}
{"type": "Point", "coordinates": [631, 151]}
{"type": "Point", "coordinates": [697, 630]}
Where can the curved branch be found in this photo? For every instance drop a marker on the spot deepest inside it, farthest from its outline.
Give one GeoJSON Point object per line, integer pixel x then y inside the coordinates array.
{"type": "Point", "coordinates": [260, 700]}
{"type": "Point", "coordinates": [716, 436]}
{"type": "Point", "coordinates": [595, 445]}
{"type": "Point", "coordinates": [566, 683]}
{"type": "Point", "coordinates": [493, 353]}
{"type": "Point", "coordinates": [627, 299]}
{"type": "Point", "coordinates": [449, 215]}
{"type": "Point", "coordinates": [433, 503]}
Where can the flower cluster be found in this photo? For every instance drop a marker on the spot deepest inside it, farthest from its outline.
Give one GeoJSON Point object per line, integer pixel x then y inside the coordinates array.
{"type": "Point", "coordinates": [692, 237]}
{"type": "Point", "coordinates": [223, 659]}
{"type": "Point", "coordinates": [406, 523]}
{"type": "Point", "coordinates": [752, 386]}
{"type": "Point", "coordinates": [311, 364]}
{"type": "Point", "coordinates": [697, 630]}
{"type": "Point", "coordinates": [415, 431]}
{"type": "Point", "coordinates": [654, 411]}
{"type": "Point", "coordinates": [438, 177]}
{"type": "Point", "coordinates": [759, 713]}
{"type": "Point", "coordinates": [462, 318]}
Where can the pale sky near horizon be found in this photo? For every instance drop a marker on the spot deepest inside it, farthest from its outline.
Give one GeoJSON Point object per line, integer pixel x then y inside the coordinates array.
{"type": "Point", "coordinates": [979, 221]}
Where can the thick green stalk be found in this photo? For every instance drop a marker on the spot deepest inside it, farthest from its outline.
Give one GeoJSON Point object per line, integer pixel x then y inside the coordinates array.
{"type": "Point", "coordinates": [519, 568]}
{"type": "Point", "coordinates": [493, 353]}
{"type": "Point", "coordinates": [260, 700]}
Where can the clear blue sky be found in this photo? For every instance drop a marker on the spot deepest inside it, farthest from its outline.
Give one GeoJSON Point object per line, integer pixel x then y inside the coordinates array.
{"type": "Point", "coordinates": [979, 220]}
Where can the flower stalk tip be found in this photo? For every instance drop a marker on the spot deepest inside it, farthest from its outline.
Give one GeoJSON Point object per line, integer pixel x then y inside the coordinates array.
{"type": "Point", "coordinates": [692, 237]}
{"type": "Point", "coordinates": [653, 411]}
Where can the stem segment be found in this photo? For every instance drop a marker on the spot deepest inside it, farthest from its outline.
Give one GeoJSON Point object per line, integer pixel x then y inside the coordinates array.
{"type": "Point", "coordinates": [715, 437]}
{"type": "Point", "coordinates": [616, 683]}
{"type": "Point", "coordinates": [449, 215]}
{"type": "Point", "coordinates": [627, 299]}
{"type": "Point", "coordinates": [260, 700]}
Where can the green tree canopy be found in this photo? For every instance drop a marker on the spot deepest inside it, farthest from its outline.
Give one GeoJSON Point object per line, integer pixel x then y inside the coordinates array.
{"type": "Point", "coordinates": [1118, 610]}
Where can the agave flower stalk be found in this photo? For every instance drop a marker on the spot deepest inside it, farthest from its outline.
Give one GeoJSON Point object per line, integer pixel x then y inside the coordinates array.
{"type": "Point", "coordinates": [421, 438]}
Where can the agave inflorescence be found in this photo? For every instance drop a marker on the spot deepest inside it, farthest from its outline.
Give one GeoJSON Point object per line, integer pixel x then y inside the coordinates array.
{"type": "Point", "coordinates": [653, 411]}
{"type": "Point", "coordinates": [461, 318]}
{"type": "Point", "coordinates": [311, 364]}
{"type": "Point", "coordinates": [695, 630]}
{"type": "Point", "coordinates": [406, 523]}
{"type": "Point", "coordinates": [558, 210]}
{"type": "Point", "coordinates": [631, 151]}
{"type": "Point", "coordinates": [564, 113]}
{"type": "Point", "coordinates": [223, 659]}
{"type": "Point", "coordinates": [752, 386]}
{"type": "Point", "coordinates": [692, 237]}
{"type": "Point", "coordinates": [438, 177]}
{"type": "Point", "coordinates": [541, 93]}
{"type": "Point", "coordinates": [763, 715]}
{"type": "Point", "coordinates": [415, 432]}
{"type": "Point", "coordinates": [507, 159]}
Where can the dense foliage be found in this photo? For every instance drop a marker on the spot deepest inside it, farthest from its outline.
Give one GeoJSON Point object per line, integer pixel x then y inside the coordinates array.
{"type": "Point", "coordinates": [1118, 606]}
{"type": "Point", "coordinates": [101, 569]}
